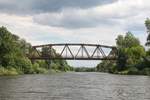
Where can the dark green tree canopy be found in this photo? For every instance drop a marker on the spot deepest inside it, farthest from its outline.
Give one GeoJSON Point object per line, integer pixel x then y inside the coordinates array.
{"type": "Point", "coordinates": [147, 24]}
{"type": "Point", "coordinates": [14, 52]}
{"type": "Point", "coordinates": [130, 57]}
{"type": "Point", "coordinates": [127, 41]}
{"type": "Point", "coordinates": [12, 49]}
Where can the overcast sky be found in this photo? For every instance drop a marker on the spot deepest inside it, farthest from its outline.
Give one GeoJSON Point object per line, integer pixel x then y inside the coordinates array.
{"type": "Point", "coordinates": [74, 21]}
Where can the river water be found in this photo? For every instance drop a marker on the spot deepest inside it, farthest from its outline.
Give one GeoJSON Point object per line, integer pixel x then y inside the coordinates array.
{"type": "Point", "coordinates": [75, 86]}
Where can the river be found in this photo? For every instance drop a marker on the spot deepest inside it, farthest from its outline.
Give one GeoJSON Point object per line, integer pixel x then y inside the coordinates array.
{"type": "Point", "coordinates": [75, 86]}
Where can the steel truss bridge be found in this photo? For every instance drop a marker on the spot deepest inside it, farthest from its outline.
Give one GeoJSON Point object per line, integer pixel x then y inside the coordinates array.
{"type": "Point", "coordinates": [74, 51]}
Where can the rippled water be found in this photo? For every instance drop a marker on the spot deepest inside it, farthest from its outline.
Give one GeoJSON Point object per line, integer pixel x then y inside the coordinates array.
{"type": "Point", "coordinates": [75, 86]}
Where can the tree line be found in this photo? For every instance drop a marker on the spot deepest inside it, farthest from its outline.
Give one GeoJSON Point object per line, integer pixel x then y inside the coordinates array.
{"type": "Point", "coordinates": [132, 56]}
{"type": "Point", "coordinates": [14, 60]}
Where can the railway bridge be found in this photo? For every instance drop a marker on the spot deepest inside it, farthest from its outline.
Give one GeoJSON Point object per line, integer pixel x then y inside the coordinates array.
{"type": "Point", "coordinates": [73, 51]}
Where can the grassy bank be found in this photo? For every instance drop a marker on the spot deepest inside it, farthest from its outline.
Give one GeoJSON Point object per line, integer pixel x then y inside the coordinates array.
{"type": "Point", "coordinates": [145, 71]}
{"type": "Point", "coordinates": [13, 71]}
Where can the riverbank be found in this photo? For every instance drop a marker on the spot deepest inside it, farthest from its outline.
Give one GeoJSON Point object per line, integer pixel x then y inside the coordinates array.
{"type": "Point", "coordinates": [13, 71]}
{"type": "Point", "coordinates": [134, 72]}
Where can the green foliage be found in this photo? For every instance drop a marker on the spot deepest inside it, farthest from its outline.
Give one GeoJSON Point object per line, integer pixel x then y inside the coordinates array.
{"type": "Point", "coordinates": [122, 59]}
{"type": "Point", "coordinates": [14, 52]}
{"type": "Point", "coordinates": [104, 66]}
{"type": "Point", "coordinates": [146, 71]}
{"type": "Point", "coordinates": [36, 69]}
{"type": "Point", "coordinates": [127, 41]}
{"type": "Point", "coordinates": [130, 51]}
{"type": "Point", "coordinates": [24, 64]}
{"type": "Point", "coordinates": [10, 71]}
{"type": "Point", "coordinates": [132, 57]}
{"type": "Point", "coordinates": [147, 24]}
{"type": "Point", "coordinates": [133, 70]}
{"type": "Point", "coordinates": [84, 69]}
{"type": "Point", "coordinates": [54, 64]}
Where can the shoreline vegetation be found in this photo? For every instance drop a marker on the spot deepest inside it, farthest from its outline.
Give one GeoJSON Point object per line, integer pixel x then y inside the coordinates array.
{"type": "Point", "coordinates": [133, 59]}
{"type": "Point", "coordinates": [14, 60]}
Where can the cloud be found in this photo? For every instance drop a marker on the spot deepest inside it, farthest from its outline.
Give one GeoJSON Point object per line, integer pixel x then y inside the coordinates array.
{"type": "Point", "coordinates": [125, 13]}
{"type": "Point", "coordinates": [100, 24]}
{"type": "Point", "coordinates": [39, 34]}
{"type": "Point", "coordinates": [42, 6]}
{"type": "Point", "coordinates": [71, 18]}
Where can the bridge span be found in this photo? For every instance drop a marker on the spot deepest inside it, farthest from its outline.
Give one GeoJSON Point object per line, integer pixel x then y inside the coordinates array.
{"type": "Point", "coordinates": [73, 51]}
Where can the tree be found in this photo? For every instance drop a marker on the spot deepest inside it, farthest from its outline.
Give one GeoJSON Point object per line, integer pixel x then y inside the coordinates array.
{"type": "Point", "coordinates": [14, 53]}
{"type": "Point", "coordinates": [135, 55]}
{"type": "Point", "coordinates": [105, 66]}
{"type": "Point", "coordinates": [130, 50]}
{"type": "Point", "coordinates": [54, 64]}
{"type": "Point", "coordinates": [127, 41]}
{"type": "Point", "coordinates": [130, 56]}
{"type": "Point", "coordinates": [122, 59]}
{"type": "Point", "coordinates": [147, 24]}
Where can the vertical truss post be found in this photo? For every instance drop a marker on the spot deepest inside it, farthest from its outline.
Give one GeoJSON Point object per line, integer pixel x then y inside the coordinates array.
{"type": "Point", "coordinates": [50, 57]}
{"type": "Point", "coordinates": [66, 50]}
{"type": "Point", "coordinates": [51, 51]}
{"type": "Point", "coordinates": [82, 50]}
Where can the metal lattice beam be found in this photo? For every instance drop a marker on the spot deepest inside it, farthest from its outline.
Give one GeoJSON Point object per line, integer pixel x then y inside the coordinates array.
{"type": "Point", "coordinates": [82, 49]}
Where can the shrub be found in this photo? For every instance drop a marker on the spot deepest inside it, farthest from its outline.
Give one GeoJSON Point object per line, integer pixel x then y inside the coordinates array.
{"type": "Point", "coordinates": [38, 70]}
{"type": "Point", "coordinates": [133, 70]}
{"type": "Point", "coordinates": [146, 71]}
{"type": "Point", "coordinates": [24, 64]}
{"type": "Point", "coordinates": [11, 71]}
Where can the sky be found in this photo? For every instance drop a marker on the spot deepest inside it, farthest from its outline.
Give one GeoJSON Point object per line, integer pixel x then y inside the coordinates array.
{"type": "Point", "coordinates": [75, 21]}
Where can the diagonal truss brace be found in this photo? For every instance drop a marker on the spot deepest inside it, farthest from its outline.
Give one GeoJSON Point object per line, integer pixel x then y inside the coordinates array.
{"type": "Point", "coordinates": [83, 50]}
{"type": "Point", "coordinates": [66, 48]}
{"type": "Point", "coordinates": [99, 51]}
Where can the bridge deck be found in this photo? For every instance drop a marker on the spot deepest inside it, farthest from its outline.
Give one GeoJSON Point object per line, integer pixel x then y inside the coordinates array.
{"type": "Point", "coordinates": [70, 58]}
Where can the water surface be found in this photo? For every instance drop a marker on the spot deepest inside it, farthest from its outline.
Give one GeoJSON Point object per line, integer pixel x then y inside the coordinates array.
{"type": "Point", "coordinates": [75, 86]}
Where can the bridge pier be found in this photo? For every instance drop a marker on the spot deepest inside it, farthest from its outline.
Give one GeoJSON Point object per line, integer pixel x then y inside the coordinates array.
{"type": "Point", "coordinates": [49, 63]}
{"type": "Point", "coordinates": [33, 61]}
